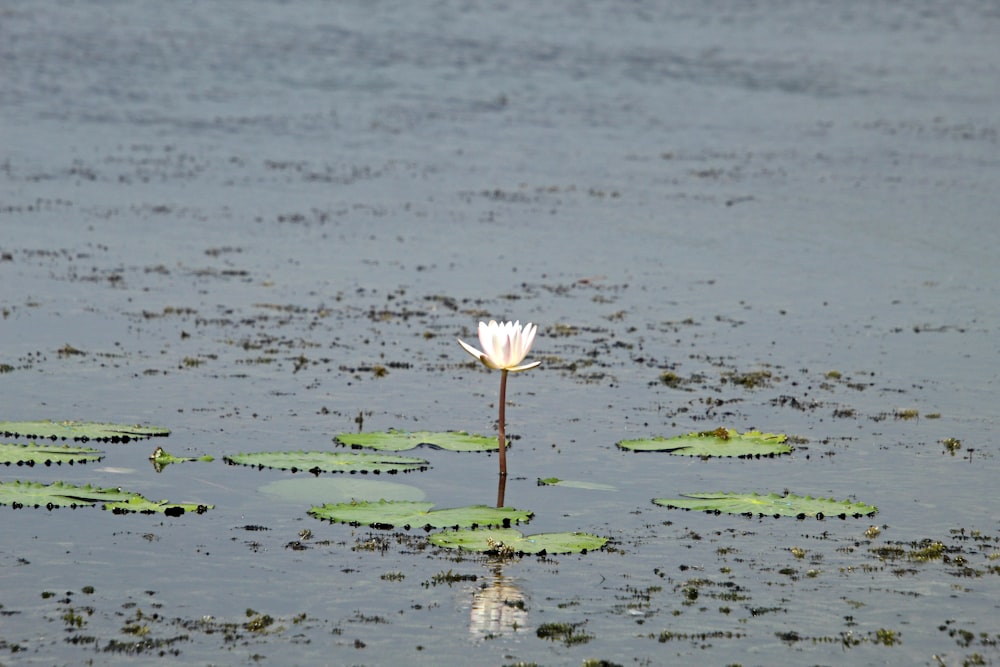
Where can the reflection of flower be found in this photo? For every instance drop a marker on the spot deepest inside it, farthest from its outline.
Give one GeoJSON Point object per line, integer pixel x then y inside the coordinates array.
{"type": "Point", "coordinates": [498, 608]}
{"type": "Point", "coordinates": [505, 345]}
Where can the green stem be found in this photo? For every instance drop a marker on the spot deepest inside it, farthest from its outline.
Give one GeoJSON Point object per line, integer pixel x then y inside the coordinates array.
{"type": "Point", "coordinates": [502, 439]}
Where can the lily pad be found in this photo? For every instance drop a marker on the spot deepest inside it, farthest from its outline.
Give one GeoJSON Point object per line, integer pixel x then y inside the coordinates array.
{"type": "Point", "coordinates": [145, 506]}
{"type": "Point", "coordinates": [593, 486]}
{"type": "Point", "coordinates": [79, 431]}
{"type": "Point", "coordinates": [752, 504]}
{"type": "Point", "coordinates": [317, 462]}
{"type": "Point", "coordinates": [398, 441]}
{"type": "Point", "coordinates": [387, 514]}
{"type": "Point", "coordinates": [720, 442]}
{"type": "Point", "coordinates": [32, 453]}
{"type": "Point", "coordinates": [508, 541]}
{"type": "Point", "coordinates": [338, 489]}
{"type": "Point", "coordinates": [59, 494]}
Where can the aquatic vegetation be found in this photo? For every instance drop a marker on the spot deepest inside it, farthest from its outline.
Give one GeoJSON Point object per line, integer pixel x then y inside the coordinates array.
{"type": "Point", "coordinates": [20, 495]}
{"type": "Point", "coordinates": [79, 431]}
{"type": "Point", "coordinates": [593, 486]}
{"type": "Point", "coordinates": [720, 442]}
{"type": "Point", "coordinates": [387, 514]}
{"type": "Point", "coordinates": [317, 462]}
{"type": "Point", "coordinates": [397, 441]}
{"type": "Point", "coordinates": [509, 541]}
{"type": "Point", "coordinates": [753, 504]}
{"type": "Point", "coordinates": [32, 454]}
{"type": "Point", "coordinates": [567, 633]}
{"type": "Point", "coordinates": [138, 504]}
{"type": "Point", "coordinates": [161, 458]}
{"type": "Point", "coordinates": [504, 347]}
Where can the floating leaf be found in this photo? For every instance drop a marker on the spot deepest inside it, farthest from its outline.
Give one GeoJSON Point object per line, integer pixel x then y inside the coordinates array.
{"type": "Point", "coordinates": [145, 506]}
{"type": "Point", "coordinates": [31, 454]}
{"type": "Point", "coordinates": [508, 541]}
{"type": "Point", "coordinates": [388, 514]}
{"type": "Point", "coordinates": [752, 504]}
{"type": "Point", "coordinates": [161, 459]}
{"type": "Point", "coordinates": [720, 442]}
{"type": "Point", "coordinates": [308, 490]}
{"type": "Point", "coordinates": [80, 431]}
{"type": "Point", "coordinates": [58, 494]}
{"type": "Point", "coordinates": [317, 462]}
{"type": "Point", "coordinates": [397, 441]}
{"type": "Point", "coordinates": [593, 486]}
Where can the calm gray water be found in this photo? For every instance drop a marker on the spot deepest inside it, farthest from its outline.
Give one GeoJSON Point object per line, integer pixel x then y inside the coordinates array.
{"type": "Point", "coordinates": [237, 210]}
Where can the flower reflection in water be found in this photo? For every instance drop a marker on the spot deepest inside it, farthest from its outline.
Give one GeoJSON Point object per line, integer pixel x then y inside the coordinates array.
{"type": "Point", "coordinates": [498, 607]}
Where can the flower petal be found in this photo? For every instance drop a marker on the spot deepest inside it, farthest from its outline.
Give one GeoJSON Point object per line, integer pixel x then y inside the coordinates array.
{"type": "Point", "coordinates": [524, 367]}
{"type": "Point", "coordinates": [505, 344]}
{"type": "Point", "coordinates": [471, 350]}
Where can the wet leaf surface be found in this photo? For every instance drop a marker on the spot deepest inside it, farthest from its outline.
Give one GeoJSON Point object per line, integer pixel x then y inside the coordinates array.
{"type": "Point", "coordinates": [317, 462]}
{"type": "Point", "coordinates": [772, 504]}
{"type": "Point", "coordinates": [718, 442]}
{"type": "Point", "coordinates": [393, 440]}
{"type": "Point", "coordinates": [32, 454]}
{"type": "Point", "coordinates": [388, 514]}
{"type": "Point", "coordinates": [79, 431]}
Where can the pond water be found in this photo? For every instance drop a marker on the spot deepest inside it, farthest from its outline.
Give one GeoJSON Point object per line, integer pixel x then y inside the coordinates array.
{"type": "Point", "coordinates": [263, 224]}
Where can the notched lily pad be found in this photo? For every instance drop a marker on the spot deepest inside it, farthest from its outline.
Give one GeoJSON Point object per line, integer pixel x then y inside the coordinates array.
{"type": "Point", "coordinates": [510, 542]}
{"type": "Point", "coordinates": [317, 462]}
{"type": "Point", "coordinates": [593, 486]}
{"type": "Point", "coordinates": [721, 442]}
{"type": "Point", "coordinates": [398, 441]}
{"type": "Point", "coordinates": [387, 514]}
{"type": "Point", "coordinates": [31, 454]}
{"type": "Point", "coordinates": [79, 431]}
{"type": "Point", "coordinates": [753, 504]}
{"type": "Point", "coordinates": [59, 494]}
{"type": "Point", "coordinates": [145, 506]}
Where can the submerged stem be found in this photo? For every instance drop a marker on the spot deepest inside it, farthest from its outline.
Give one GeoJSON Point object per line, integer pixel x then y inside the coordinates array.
{"type": "Point", "coordinates": [501, 438]}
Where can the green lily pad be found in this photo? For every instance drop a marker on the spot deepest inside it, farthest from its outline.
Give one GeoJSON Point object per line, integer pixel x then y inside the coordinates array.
{"type": "Point", "coordinates": [387, 514]}
{"type": "Point", "coordinates": [317, 462]}
{"type": "Point", "coordinates": [307, 490]}
{"type": "Point", "coordinates": [161, 459]}
{"type": "Point", "coordinates": [720, 442]}
{"type": "Point", "coordinates": [508, 541]}
{"type": "Point", "coordinates": [593, 486]}
{"type": "Point", "coordinates": [145, 506]}
{"type": "Point", "coordinates": [31, 454]}
{"type": "Point", "coordinates": [79, 431]}
{"type": "Point", "coordinates": [59, 494]}
{"type": "Point", "coordinates": [752, 504]}
{"type": "Point", "coordinates": [397, 441]}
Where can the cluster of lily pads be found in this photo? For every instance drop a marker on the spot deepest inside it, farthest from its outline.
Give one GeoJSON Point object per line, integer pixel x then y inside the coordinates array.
{"type": "Point", "coordinates": [722, 442]}
{"type": "Point", "coordinates": [476, 527]}
{"type": "Point", "coordinates": [64, 448]}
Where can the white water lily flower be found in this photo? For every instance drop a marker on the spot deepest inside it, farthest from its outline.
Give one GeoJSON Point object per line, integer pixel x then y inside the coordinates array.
{"type": "Point", "coordinates": [505, 345]}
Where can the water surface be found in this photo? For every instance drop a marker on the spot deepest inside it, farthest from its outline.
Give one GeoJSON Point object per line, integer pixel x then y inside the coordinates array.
{"type": "Point", "coordinates": [239, 212]}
